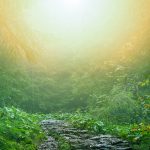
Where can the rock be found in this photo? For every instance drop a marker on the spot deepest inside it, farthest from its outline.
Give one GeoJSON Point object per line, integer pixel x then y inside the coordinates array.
{"type": "Point", "coordinates": [79, 139]}
{"type": "Point", "coordinates": [49, 144]}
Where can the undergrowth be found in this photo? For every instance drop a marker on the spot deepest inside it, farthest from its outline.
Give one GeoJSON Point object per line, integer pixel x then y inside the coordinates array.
{"type": "Point", "coordinates": [63, 144]}
{"type": "Point", "coordinates": [137, 134]}
{"type": "Point", "coordinates": [19, 130]}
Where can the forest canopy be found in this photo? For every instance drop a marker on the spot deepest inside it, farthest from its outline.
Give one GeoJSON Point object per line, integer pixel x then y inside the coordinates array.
{"type": "Point", "coordinates": [59, 66]}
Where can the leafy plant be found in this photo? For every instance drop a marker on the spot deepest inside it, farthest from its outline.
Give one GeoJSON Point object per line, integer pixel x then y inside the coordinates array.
{"type": "Point", "coordinates": [19, 130]}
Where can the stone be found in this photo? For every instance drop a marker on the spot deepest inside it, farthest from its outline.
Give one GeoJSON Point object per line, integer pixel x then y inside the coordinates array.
{"type": "Point", "coordinates": [79, 139]}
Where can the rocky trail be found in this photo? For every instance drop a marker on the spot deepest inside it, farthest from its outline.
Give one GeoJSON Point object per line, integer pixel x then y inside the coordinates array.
{"type": "Point", "coordinates": [63, 136]}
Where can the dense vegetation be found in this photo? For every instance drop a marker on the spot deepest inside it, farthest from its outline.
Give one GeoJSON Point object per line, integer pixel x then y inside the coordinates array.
{"type": "Point", "coordinates": [137, 134]}
{"type": "Point", "coordinates": [112, 97]}
{"type": "Point", "coordinates": [19, 130]}
{"type": "Point", "coordinates": [108, 85]}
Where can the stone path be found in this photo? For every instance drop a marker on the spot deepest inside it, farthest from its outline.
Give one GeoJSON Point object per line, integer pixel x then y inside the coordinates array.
{"type": "Point", "coordinates": [78, 139]}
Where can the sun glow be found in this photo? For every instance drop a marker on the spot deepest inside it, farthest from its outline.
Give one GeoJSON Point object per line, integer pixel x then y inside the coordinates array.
{"type": "Point", "coordinates": [66, 26]}
{"type": "Point", "coordinates": [72, 2]}
{"type": "Point", "coordinates": [46, 14]}
{"type": "Point", "coordinates": [74, 23]}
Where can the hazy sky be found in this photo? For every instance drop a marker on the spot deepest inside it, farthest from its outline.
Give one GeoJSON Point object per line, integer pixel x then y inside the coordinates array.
{"type": "Point", "coordinates": [66, 26]}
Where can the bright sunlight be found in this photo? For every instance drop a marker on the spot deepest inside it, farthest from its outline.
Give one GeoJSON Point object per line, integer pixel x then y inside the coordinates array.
{"type": "Point", "coordinates": [77, 25]}
{"type": "Point", "coordinates": [69, 27]}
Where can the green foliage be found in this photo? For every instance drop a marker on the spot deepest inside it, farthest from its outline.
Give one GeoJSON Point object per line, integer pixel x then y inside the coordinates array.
{"type": "Point", "coordinates": [63, 144]}
{"type": "Point", "coordinates": [19, 130]}
{"type": "Point", "coordinates": [118, 107]}
{"type": "Point", "coordinates": [114, 90]}
{"type": "Point", "coordinates": [140, 135]}
{"type": "Point", "coordinates": [82, 121]}
{"type": "Point", "coordinates": [137, 134]}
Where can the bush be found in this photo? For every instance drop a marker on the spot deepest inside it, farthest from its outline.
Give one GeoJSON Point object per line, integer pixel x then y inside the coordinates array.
{"type": "Point", "coordinates": [119, 107]}
{"type": "Point", "coordinates": [19, 130]}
